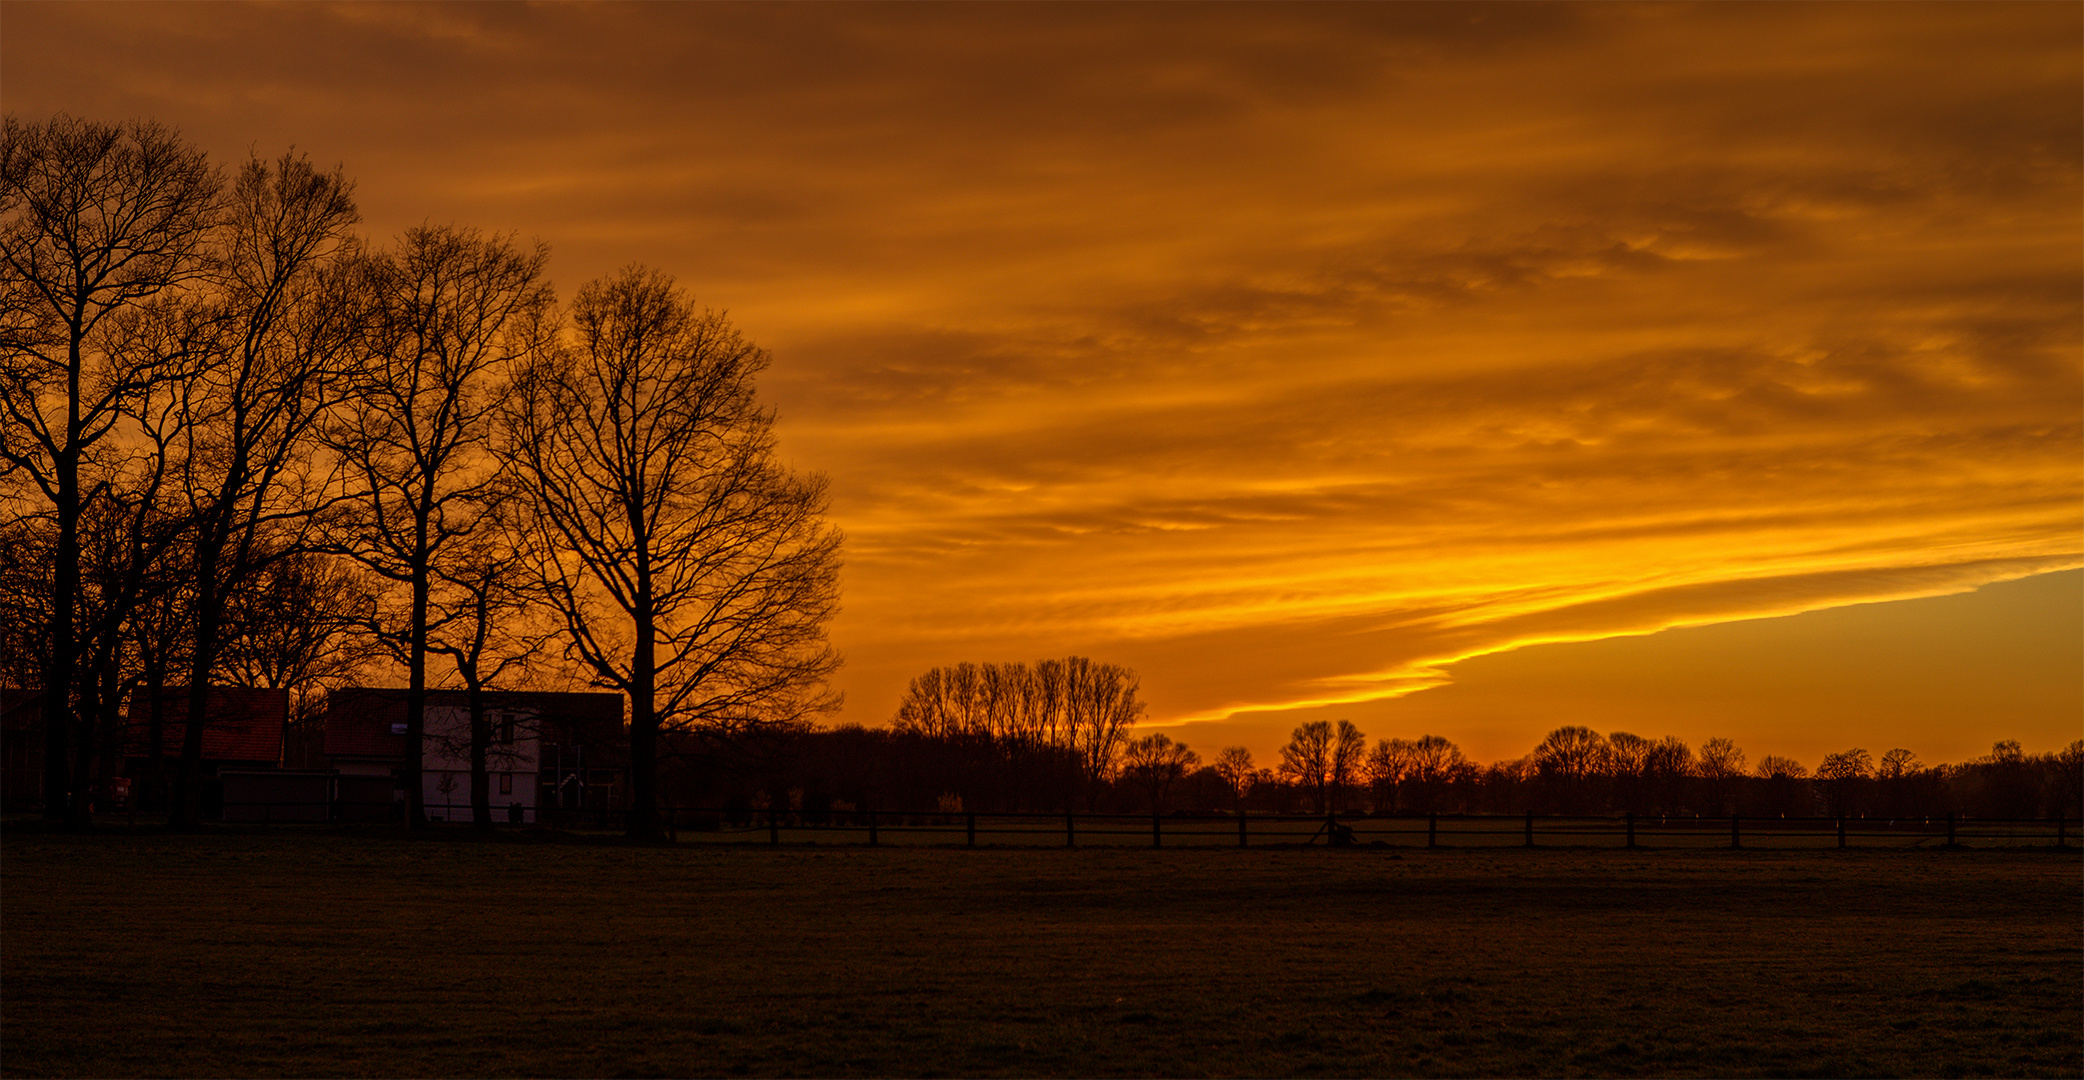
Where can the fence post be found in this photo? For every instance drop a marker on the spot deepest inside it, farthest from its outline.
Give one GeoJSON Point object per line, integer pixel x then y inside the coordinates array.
{"type": "Point", "coordinates": [1950, 828]}
{"type": "Point", "coordinates": [971, 820]}
{"type": "Point", "coordinates": [1841, 830]}
{"type": "Point", "coordinates": [1530, 828]}
{"type": "Point", "coordinates": [1240, 826]}
{"type": "Point", "coordinates": [773, 828]}
{"type": "Point", "coordinates": [1631, 828]}
{"type": "Point", "coordinates": [871, 828]}
{"type": "Point", "coordinates": [1736, 838]}
{"type": "Point", "coordinates": [1156, 839]}
{"type": "Point", "coordinates": [1070, 830]}
{"type": "Point", "coordinates": [2062, 839]}
{"type": "Point", "coordinates": [1432, 830]}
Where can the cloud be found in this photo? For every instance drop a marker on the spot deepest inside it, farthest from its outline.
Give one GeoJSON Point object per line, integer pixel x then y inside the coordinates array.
{"type": "Point", "coordinates": [1289, 352]}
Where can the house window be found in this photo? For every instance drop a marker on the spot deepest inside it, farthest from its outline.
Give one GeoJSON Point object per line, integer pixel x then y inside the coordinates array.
{"type": "Point", "coordinates": [506, 729]}
{"type": "Point", "coordinates": [506, 783]}
{"type": "Point", "coordinates": [398, 728]}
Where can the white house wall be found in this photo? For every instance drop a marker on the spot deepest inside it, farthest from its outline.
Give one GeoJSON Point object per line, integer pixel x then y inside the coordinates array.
{"type": "Point", "coordinates": [445, 764]}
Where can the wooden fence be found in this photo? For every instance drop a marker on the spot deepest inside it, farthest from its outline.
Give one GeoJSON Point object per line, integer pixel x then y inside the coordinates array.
{"type": "Point", "coordinates": [876, 828]}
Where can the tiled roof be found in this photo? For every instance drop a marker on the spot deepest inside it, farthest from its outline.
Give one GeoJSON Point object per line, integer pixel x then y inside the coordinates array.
{"type": "Point", "coordinates": [358, 723]}
{"type": "Point", "coordinates": [359, 719]}
{"type": "Point", "coordinates": [241, 723]}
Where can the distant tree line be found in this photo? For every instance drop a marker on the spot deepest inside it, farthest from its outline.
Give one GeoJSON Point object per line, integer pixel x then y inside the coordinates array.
{"type": "Point", "coordinates": [961, 741]}
{"type": "Point", "coordinates": [239, 444]}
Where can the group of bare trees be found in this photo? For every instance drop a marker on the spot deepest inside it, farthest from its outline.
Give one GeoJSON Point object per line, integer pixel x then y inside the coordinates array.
{"type": "Point", "coordinates": [1575, 769]}
{"type": "Point", "coordinates": [1072, 705]}
{"type": "Point", "coordinates": [959, 760]}
{"type": "Point", "coordinates": [238, 444]}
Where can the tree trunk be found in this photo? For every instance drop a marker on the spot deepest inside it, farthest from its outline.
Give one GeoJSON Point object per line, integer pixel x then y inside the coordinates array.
{"type": "Point", "coordinates": [416, 705]}
{"type": "Point", "coordinates": [79, 808]}
{"type": "Point", "coordinates": [184, 800]}
{"type": "Point", "coordinates": [643, 816]}
{"type": "Point", "coordinates": [65, 586]}
{"type": "Point", "coordinates": [155, 735]}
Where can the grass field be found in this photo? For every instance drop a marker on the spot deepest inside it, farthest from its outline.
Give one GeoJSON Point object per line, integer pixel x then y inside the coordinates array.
{"type": "Point", "coordinates": [292, 952]}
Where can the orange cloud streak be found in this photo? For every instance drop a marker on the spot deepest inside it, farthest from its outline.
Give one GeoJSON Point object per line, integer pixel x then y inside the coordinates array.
{"type": "Point", "coordinates": [1292, 353]}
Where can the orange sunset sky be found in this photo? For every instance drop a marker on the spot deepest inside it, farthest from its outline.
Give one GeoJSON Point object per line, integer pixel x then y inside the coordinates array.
{"type": "Point", "coordinates": [1408, 364]}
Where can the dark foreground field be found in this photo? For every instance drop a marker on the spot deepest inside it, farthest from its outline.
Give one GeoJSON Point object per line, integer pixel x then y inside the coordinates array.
{"type": "Point", "coordinates": [320, 954]}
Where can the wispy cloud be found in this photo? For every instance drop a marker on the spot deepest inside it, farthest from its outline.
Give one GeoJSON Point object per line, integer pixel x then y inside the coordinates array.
{"type": "Point", "coordinates": [1290, 352]}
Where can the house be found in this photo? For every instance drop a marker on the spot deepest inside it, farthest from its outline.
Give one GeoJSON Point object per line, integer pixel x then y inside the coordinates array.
{"type": "Point", "coordinates": [21, 749]}
{"type": "Point", "coordinates": [242, 726]}
{"type": "Point", "coordinates": [547, 749]}
{"type": "Point", "coordinates": [243, 729]}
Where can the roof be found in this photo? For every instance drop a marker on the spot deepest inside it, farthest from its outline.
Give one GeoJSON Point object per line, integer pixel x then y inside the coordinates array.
{"type": "Point", "coordinates": [359, 719]}
{"type": "Point", "coordinates": [240, 723]}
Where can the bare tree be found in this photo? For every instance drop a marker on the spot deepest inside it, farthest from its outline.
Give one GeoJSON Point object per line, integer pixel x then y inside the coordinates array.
{"type": "Point", "coordinates": [1156, 762]}
{"type": "Point", "coordinates": [1234, 764]}
{"type": "Point", "coordinates": [27, 559]}
{"type": "Point", "coordinates": [1386, 768]}
{"type": "Point", "coordinates": [690, 570]}
{"type": "Point", "coordinates": [479, 619]}
{"type": "Point", "coordinates": [126, 543]}
{"type": "Point", "coordinates": [94, 219]}
{"type": "Point", "coordinates": [1668, 770]}
{"type": "Point", "coordinates": [1776, 767]}
{"type": "Point", "coordinates": [450, 312]}
{"type": "Point", "coordinates": [300, 625]}
{"type": "Point", "coordinates": [1896, 764]}
{"type": "Point", "coordinates": [1721, 768]}
{"type": "Point", "coordinates": [1072, 704]}
{"type": "Point", "coordinates": [927, 708]}
{"type": "Point", "coordinates": [1786, 785]}
{"type": "Point", "coordinates": [1842, 776]}
{"type": "Point", "coordinates": [282, 313]}
{"type": "Point", "coordinates": [1307, 759]}
{"type": "Point", "coordinates": [1100, 706]}
{"type": "Point", "coordinates": [2068, 793]}
{"type": "Point", "coordinates": [1434, 761]}
{"type": "Point", "coordinates": [1628, 766]}
{"type": "Point", "coordinates": [1572, 752]}
{"type": "Point", "coordinates": [1572, 760]}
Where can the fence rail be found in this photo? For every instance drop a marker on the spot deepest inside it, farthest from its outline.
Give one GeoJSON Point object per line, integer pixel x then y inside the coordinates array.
{"type": "Point", "coordinates": [877, 828]}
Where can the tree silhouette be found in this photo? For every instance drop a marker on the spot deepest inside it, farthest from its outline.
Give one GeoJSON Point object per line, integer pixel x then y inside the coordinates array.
{"type": "Point", "coordinates": [1156, 762]}
{"type": "Point", "coordinates": [1841, 776]}
{"type": "Point", "coordinates": [690, 571]}
{"type": "Point", "coordinates": [478, 617]}
{"type": "Point", "coordinates": [95, 220]}
{"type": "Point", "coordinates": [1348, 750]}
{"type": "Point", "coordinates": [1668, 771]}
{"type": "Point", "coordinates": [1308, 758]}
{"type": "Point", "coordinates": [1628, 766]}
{"type": "Point", "coordinates": [446, 315]}
{"type": "Point", "coordinates": [1434, 762]}
{"type": "Point", "coordinates": [1234, 764]}
{"type": "Point", "coordinates": [1386, 767]}
{"type": "Point", "coordinates": [301, 624]}
{"type": "Point", "coordinates": [2068, 785]}
{"type": "Point", "coordinates": [1786, 785]}
{"type": "Point", "coordinates": [1072, 704]}
{"type": "Point", "coordinates": [279, 320]}
{"type": "Point", "coordinates": [1721, 768]}
{"type": "Point", "coordinates": [1571, 760]}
